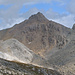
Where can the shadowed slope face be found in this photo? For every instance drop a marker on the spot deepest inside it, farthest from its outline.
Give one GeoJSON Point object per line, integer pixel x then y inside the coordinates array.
{"type": "Point", "coordinates": [65, 58]}
{"type": "Point", "coordinates": [38, 33]}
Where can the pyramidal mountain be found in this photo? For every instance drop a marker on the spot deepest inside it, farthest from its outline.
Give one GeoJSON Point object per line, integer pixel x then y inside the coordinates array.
{"type": "Point", "coordinates": [40, 42]}
{"type": "Point", "coordinates": [38, 34]}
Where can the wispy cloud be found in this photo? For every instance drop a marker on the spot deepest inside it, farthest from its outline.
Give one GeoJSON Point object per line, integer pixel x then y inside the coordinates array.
{"type": "Point", "coordinates": [11, 15]}
{"type": "Point", "coordinates": [71, 7]}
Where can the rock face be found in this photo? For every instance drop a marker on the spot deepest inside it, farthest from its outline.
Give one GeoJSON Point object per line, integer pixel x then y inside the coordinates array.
{"type": "Point", "coordinates": [14, 68]}
{"type": "Point", "coordinates": [38, 34]}
{"type": "Point", "coordinates": [73, 27]}
{"type": "Point", "coordinates": [13, 50]}
{"type": "Point", "coordinates": [65, 57]}
{"type": "Point", "coordinates": [39, 17]}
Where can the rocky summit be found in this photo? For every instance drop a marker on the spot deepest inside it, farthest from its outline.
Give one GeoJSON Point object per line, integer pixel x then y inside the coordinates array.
{"type": "Point", "coordinates": [40, 42]}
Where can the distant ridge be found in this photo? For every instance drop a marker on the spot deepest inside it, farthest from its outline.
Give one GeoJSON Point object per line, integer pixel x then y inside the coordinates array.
{"type": "Point", "coordinates": [73, 27]}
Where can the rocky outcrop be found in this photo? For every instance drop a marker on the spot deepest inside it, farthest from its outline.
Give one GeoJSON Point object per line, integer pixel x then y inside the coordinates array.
{"type": "Point", "coordinates": [15, 68]}
{"type": "Point", "coordinates": [73, 27]}
{"type": "Point", "coordinates": [39, 17]}
{"type": "Point", "coordinates": [64, 59]}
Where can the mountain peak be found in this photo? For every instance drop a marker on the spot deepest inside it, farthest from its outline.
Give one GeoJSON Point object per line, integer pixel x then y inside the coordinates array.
{"type": "Point", "coordinates": [39, 13]}
{"type": "Point", "coordinates": [73, 27]}
{"type": "Point", "coordinates": [39, 17]}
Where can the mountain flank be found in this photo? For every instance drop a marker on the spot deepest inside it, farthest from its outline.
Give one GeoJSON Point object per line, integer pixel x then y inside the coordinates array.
{"type": "Point", "coordinates": [38, 34]}
{"type": "Point", "coordinates": [40, 42]}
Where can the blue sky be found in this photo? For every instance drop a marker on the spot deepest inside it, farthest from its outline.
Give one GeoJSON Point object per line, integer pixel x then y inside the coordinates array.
{"type": "Point", "coordinates": [45, 6]}
{"type": "Point", "coordinates": [15, 11]}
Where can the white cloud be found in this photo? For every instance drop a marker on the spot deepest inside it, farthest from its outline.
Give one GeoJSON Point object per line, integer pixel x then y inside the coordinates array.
{"type": "Point", "coordinates": [67, 21]}
{"type": "Point", "coordinates": [25, 1]}
{"type": "Point", "coordinates": [11, 16]}
{"type": "Point", "coordinates": [71, 7]}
